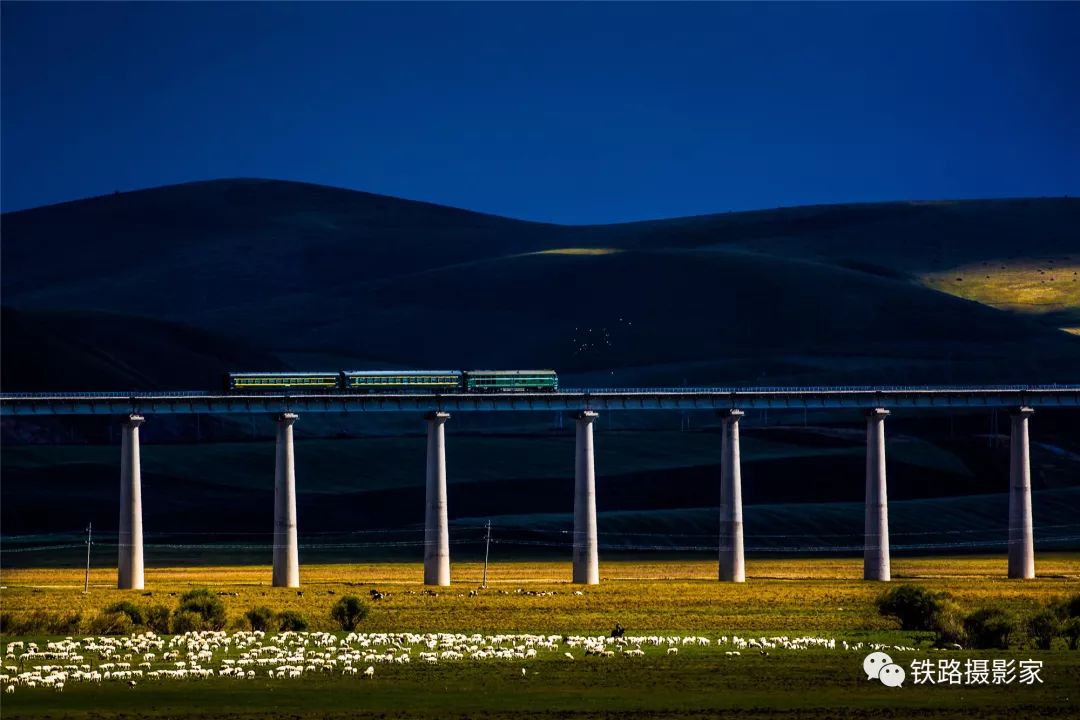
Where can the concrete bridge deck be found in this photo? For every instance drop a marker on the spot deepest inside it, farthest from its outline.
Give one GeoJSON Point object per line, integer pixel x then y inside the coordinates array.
{"type": "Point", "coordinates": [570, 399]}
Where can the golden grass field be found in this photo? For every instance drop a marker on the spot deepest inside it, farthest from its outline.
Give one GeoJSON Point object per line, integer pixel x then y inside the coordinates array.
{"type": "Point", "coordinates": [1034, 287]}
{"type": "Point", "coordinates": [817, 597]}
{"type": "Point", "coordinates": [579, 251]}
{"type": "Point", "coordinates": [789, 595]}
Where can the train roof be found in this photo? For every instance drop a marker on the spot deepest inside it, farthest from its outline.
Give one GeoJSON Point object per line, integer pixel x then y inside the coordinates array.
{"type": "Point", "coordinates": [283, 373]}
{"type": "Point", "coordinates": [402, 372]}
{"type": "Point", "coordinates": [306, 373]}
{"type": "Point", "coordinates": [512, 372]}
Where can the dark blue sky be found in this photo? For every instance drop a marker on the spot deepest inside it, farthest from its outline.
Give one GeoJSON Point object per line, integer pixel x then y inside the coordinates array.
{"type": "Point", "coordinates": [562, 112]}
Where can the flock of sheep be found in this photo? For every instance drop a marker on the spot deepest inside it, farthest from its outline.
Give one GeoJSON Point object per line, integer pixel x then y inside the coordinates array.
{"type": "Point", "coordinates": [293, 655]}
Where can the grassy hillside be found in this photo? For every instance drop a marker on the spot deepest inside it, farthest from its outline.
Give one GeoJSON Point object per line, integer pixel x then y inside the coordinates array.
{"type": "Point", "coordinates": [177, 251]}
{"type": "Point", "coordinates": [170, 287]}
{"type": "Point", "coordinates": [1037, 287]}
{"type": "Point", "coordinates": [87, 350]}
{"type": "Point", "coordinates": [818, 294]}
{"type": "Point", "coordinates": [896, 238]}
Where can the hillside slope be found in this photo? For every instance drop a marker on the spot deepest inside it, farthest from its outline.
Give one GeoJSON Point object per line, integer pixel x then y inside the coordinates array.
{"type": "Point", "coordinates": [169, 287]}
{"type": "Point", "coordinates": [83, 350]}
{"type": "Point", "coordinates": [184, 249]}
{"type": "Point", "coordinates": [903, 238]}
{"type": "Point", "coordinates": [797, 295]}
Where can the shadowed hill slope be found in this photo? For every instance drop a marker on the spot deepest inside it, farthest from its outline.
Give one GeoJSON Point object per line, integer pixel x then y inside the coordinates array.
{"type": "Point", "coordinates": [896, 238]}
{"type": "Point", "coordinates": [759, 316]}
{"type": "Point", "coordinates": [80, 350]}
{"type": "Point", "coordinates": [169, 287]}
{"type": "Point", "coordinates": [198, 247]}
{"type": "Point", "coordinates": [818, 294]}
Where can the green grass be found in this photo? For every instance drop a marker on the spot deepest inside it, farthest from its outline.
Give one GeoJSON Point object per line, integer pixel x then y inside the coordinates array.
{"type": "Point", "coordinates": [823, 598]}
{"type": "Point", "coordinates": [813, 684]}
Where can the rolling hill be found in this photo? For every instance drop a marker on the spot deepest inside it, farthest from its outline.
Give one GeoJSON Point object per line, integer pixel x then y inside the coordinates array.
{"type": "Point", "coordinates": [823, 294]}
{"type": "Point", "coordinates": [169, 287]}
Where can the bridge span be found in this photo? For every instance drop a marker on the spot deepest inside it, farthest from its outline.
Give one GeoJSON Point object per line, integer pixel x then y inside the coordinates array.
{"type": "Point", "coordinates": [585, 405]}
{"type": "Point", "coordinates": [661, 398]}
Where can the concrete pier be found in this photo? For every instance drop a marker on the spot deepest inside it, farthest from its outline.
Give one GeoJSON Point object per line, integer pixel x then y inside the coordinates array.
{"type": "Point", "coordinates": [436, 527]}
{"type": "Point", "coordinates": [876, 538]}
{"type": "Point", "coordinates": [586, 560]}
{"type": "Point", "coordinates": [732, 562]}
{"type": "Point", "coordinates": [286, 548]}
{"type": "Point", "coordinates": [1021, 537]}
{"type": "Point", "coordinates": [130, 540]}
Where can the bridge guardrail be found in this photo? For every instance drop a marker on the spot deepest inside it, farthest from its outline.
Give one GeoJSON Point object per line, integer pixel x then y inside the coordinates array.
{"type": "Point", "coordinates": [165, 394]}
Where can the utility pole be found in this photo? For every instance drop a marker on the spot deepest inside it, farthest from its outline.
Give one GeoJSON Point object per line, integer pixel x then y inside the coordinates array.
{"type": "Point", "coordinates": [89, 534]}
{"type": "Point", "coordinates": [487, 552]}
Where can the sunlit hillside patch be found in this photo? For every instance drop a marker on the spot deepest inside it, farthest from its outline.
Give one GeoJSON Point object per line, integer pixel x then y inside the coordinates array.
{"type": "Point", "coordinates": [1072, 330]}
{"type": "Point", "coordinates": [1026, 286]}
{"type": "Point", "coordinates": [579, 251]}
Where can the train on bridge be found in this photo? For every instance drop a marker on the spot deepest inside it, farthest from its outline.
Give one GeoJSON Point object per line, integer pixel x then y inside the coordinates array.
{"type": "Point", "coordinates": [394, 381]}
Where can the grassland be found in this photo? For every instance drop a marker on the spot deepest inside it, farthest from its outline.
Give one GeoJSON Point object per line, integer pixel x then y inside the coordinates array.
{"type": "Point", "coordinates": [698, 684]}
{"type": "Point", "coordinates": [1030, 286]}
{"type": "Point", "coordinates": [791, 597]}
{"type": "Point", "coordinates": [786, 596]}
{"type": "Point", "coordinates": [579, 251]}
{"type": "Point", "coordinates": [420, 286]}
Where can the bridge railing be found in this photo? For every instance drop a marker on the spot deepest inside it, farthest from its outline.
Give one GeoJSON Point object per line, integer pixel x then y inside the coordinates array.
{"type": "Point", "coordinates": [148, 394]}
{"type": "Point", "coordinates": [106, 394]}
{"type": "Point", "coordinates": [822, 388]}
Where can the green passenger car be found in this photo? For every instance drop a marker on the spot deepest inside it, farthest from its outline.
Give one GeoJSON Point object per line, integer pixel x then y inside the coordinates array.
{"type": "Point", "coordinates": [401, 381]}
{"type": "Point", "coordinates": [281, 382]}
{"type": "Point", "coordinates": [511, 381]}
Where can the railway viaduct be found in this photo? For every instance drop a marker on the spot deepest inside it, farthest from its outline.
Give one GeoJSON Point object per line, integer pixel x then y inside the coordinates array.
{"type": "Point", "coordinates": [586, 405]}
